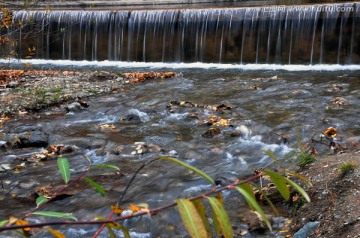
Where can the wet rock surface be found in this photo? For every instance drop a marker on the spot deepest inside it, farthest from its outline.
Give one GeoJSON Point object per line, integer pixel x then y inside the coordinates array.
{"type": "Point", "coordinates": [24, 139]}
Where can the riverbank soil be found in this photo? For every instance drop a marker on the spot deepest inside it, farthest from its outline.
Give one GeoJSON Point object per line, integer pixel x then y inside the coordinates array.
{"type": "Point", "coordinates": [335, 197]}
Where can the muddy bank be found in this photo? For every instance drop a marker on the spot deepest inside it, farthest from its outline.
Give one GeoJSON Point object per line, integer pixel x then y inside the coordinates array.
{"type": "Point", "coordinates": [334, 197]}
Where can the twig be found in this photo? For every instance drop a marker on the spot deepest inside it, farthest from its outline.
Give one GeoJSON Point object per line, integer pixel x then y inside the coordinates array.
{"type": "Point", "coordinates": [58, 192]}
{"type": "Point", "coordinates": [123, 195]}
{"type": "Point", "coordinates": [133, 177]}
{"type": "Point", "coordinates": [142, 213]}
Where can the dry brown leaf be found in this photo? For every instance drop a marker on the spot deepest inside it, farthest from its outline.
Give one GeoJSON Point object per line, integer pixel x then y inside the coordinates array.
{"type": "Point", "coordinates": [331, 132]}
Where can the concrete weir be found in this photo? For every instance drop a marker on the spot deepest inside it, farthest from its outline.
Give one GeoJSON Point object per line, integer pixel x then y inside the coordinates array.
{"type": "Point", "coordinates": [273, 34]}
{"type": "Point", "coordinates": [121, 4]}
{"type": "Point", "coordinates": [91, 4]}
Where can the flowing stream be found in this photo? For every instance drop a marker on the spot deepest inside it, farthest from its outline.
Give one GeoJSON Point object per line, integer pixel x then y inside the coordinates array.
{"type": "Point", "coordinates": [267, 102]}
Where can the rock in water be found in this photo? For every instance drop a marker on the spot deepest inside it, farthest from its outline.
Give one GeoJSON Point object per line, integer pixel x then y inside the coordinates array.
{"type": "Point", "coordinates": [73, 107]}
{"type": "Point", "coordinates": [211, 132]}
{"type": "Point", "coordinates": [307, 230]}
{"type": "Point", "coordinates": [34, 139]}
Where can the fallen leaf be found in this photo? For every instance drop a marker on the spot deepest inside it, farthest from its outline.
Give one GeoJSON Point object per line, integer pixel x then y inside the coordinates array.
{"type": "Point", "coordinates": [331, 132]}
{"type": "Point", "coordinates": [56, 233]}
{"type": "Point", "coordinates": [108, 126]}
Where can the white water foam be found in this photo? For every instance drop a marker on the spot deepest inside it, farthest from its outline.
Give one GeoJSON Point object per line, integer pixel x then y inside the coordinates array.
{"type": "Point", "coordinates": [144, 117]}
{"type": "Point", "coordinates": [199, 65]}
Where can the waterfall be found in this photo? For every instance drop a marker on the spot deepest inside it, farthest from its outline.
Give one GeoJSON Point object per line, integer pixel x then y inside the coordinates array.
{"type": "Point", "coordinates": [308, 34]}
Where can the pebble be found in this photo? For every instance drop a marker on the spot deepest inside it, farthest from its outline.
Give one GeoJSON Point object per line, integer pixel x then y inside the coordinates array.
{"type": "Point", "coordinates": [5, 167]}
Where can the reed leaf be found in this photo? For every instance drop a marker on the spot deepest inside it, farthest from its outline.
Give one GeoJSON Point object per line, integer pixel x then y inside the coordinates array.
{"type": "Point", "coordinates": [298, 176]}
{"type": "Point", "coordinates": [280, 183]}
{"type": "Point", "coordinates": [191, 219]}
{"type": "Point", "coordinates": [202, 212]}
{"type": "Point", "coordinates": [41, 200]}
{"type": "Point", "coordinates": [252, 203]}
{"type": "Point", "coordinates": [56, 214]}
{"type": "Point", "coordinates": [299, 189]}
{"type": "Point", "coordinates": [197, 171]}
{"type": "Point", "coordinates": [221, 217]}
{"type": "Point", "coordinates": [96, 186]}
{"type": "Point", "coordinates": [105, 166]}
{"type": "Point", "coordinates": [64, 168]}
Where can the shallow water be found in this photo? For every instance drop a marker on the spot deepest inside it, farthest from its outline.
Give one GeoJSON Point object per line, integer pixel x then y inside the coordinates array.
{"type": "Point", "coordinates": [268, 102]}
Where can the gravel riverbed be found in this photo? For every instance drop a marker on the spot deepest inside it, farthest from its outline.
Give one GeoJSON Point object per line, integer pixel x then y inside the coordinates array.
{"type": "Point", "coordinates": [22, 91]}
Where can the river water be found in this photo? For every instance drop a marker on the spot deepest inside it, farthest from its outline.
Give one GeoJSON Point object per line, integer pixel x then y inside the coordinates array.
{"type": "Point", "coordinates": [264, 104]}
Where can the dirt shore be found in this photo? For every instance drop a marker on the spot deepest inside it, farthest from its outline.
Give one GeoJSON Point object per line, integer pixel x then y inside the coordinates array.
{"type": "Point", "coordinates": [24, 91]}
{"type": "Point", "coordinates": [335, 197]}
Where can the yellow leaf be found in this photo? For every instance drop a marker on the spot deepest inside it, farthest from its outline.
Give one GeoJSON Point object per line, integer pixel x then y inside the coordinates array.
{"type": "Point", "coordinates": [55, 233]}
{"type": "Point", "coordinates": [114, 225]}
{"type": "Point", "coordinates": [134, 208]}
{"type": "Point", "coordinates": [12, 220]}
{"type": "Point", "coordinates": [117, 210]}
{"type": "Point", "coordinates": [21, 223]}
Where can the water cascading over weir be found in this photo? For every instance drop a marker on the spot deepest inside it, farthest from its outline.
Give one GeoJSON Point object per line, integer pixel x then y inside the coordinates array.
{"type": "Point", "coordinates": [306, 34]}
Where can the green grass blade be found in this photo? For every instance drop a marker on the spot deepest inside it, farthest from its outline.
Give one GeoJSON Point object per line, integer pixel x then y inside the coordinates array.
{"type": "Point", "coordinates": [222, 217]}
{"type": "Point", "coordinates": [299, 189]}
{"type": "Point", "coordinates": [252, 203]}
{"type": "Point", "coordinates": [202, 212]}
{"type": "Point", "coordinates": [41, 200]}
{"type": "Point", "coordinates": [56, 214]}
{"type": "Point", "coordinates": [64, 168]}
{"type": "Point", "coordinates": [105, 166]}
{"type": "Point", "coordinates": [197, 171]}
{"type": "Point", "coordinates": [96, 186]}
{"type": "Point", "coordinates": [191, 218]}
{"type": "Point", "coordinates": [280, 183]}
